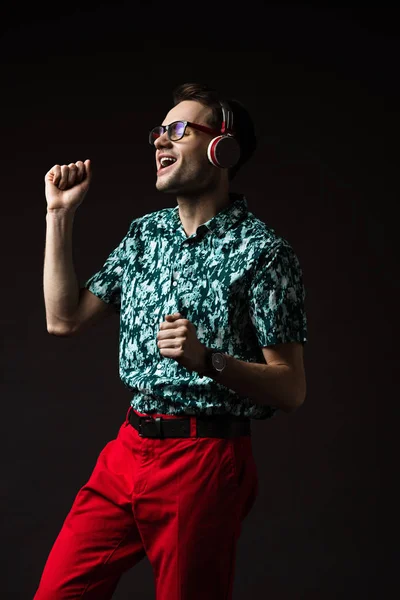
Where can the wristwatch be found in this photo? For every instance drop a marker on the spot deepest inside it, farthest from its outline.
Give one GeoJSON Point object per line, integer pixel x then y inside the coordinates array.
{"type": "Point", "coordinates": [215, 363]}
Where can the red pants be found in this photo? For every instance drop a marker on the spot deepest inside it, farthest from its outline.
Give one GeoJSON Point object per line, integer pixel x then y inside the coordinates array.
{"type": "Point", "coordinates": [180, 501]}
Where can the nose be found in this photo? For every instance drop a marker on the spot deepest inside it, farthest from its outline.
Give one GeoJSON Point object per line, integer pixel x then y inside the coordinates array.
{"type": "Point", "coordinates": [163, 141]}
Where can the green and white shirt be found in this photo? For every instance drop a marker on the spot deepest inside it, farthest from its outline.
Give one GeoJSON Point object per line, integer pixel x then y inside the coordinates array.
{"type": "Point", "coordinates": [235, 279]}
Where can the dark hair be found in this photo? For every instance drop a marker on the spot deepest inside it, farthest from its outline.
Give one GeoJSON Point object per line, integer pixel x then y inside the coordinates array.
{"type": "Point", "coordinates": [242, 123]}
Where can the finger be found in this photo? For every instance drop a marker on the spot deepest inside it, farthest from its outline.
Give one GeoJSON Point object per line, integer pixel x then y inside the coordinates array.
{"type": "Point", "coordinates": [64, 177]}
{"type": "Point", "coordinates": [88, 169]}
{"type": "Point", "coordinates": [174, 353]}
{"type": "Point", "coordinates": [80, 171]}
{"type": "Point", "coordinates": [170, 343]}
{"type": "Point", "coordinates": [170, 324]}
{"type": "Point", "coordinates": [167, 333]}
{"type": "Point", "coordinates": [54, 175]}
{"type": "Point", "coordinates": [72, 168]}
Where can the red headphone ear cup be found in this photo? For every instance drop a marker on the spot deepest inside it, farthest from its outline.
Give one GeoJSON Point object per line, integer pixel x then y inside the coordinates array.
{"type": "Point", "coordinates": [223, 151]}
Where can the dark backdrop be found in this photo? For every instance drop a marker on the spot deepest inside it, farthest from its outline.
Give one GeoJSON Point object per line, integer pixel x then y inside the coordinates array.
{"type": "Point", "coordinates": [89, 82]}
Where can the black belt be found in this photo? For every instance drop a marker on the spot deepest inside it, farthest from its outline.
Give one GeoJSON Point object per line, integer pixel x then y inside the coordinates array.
{"type": "Point", "coordinates": [219, 426]}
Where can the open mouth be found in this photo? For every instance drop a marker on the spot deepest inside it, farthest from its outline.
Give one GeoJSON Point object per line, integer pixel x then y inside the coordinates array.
{"type": "Point", "coordinates": [166, 162]}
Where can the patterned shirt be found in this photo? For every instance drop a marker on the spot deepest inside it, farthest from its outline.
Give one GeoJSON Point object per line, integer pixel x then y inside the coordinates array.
{"type": "Point", "coordinates": [235, 279]}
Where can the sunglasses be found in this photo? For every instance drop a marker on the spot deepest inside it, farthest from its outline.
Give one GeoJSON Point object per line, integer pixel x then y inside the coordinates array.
{"type": "Point", "coordinates": [176, 130]}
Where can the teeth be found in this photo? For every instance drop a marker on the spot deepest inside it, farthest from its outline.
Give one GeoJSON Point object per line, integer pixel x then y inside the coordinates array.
{"type": "Point", "coordinates": [166, 160]}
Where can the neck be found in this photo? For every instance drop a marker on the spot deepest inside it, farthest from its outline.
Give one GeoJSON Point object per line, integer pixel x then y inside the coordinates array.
{"type": "Point", "coordinates": [194, 210]}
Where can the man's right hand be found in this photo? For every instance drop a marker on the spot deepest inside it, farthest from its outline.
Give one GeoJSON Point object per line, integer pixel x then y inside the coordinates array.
{"type": "Point", "coordinates": [67, 185]}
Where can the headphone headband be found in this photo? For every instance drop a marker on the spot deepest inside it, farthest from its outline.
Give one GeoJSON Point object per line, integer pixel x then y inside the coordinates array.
{"type": "Point", "coordinates": [227, 118]}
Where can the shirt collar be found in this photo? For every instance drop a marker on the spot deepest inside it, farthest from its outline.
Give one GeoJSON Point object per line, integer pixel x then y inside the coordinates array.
{"type": "Point", "coordinates": [219, 223]}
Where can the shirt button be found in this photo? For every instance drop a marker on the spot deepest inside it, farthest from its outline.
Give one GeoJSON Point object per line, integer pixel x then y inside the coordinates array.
{"type": "Point", "coordinates": [174, 283]}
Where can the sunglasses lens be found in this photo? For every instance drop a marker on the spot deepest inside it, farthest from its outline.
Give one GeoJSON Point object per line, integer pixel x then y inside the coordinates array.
{"type": "Point", "coordinates": [177, 130]}
{"type": "Point", "coordinates": [155, 134]}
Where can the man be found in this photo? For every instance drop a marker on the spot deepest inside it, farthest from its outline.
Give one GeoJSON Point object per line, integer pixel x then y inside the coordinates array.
{"type": "Point", "coordinates": [180, 477]}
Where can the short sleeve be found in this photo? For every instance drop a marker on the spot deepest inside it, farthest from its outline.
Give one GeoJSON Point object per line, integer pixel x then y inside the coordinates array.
{"type": "Point", "coordinates": [277, 299]}
{"type": "Point", "coordinates": [107, 282]}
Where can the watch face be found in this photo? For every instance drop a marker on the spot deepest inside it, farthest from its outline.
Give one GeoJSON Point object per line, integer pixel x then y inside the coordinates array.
{"type": "Point", "coordinates": [218, 360]}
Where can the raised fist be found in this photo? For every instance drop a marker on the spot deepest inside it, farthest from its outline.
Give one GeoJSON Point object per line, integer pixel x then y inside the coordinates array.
{"type": "Point", "coordinates": [66, 185]}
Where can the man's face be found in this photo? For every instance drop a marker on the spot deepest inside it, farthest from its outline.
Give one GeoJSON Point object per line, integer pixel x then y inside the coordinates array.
{"type": "Point", "coordinates": [192, 173]}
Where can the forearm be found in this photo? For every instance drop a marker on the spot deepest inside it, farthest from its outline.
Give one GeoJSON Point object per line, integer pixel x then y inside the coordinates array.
{"type": "Point", "coordinates": [272, 385]}
{"type": "Point", "coordinates": [60, 284]}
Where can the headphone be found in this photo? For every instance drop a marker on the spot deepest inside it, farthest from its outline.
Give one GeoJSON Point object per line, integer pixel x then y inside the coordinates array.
{"type": "Point", "coordinates": [224, 151]}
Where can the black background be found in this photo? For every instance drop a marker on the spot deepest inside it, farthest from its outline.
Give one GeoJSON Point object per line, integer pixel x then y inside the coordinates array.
{"type": "Point", "coordinates": [89, 82]}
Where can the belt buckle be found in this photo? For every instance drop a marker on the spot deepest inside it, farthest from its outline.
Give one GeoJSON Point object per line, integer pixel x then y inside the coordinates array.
{"type": "Point", "coordinates": [141, 421]}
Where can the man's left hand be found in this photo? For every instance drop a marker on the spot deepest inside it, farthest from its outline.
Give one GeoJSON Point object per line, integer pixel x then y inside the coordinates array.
{"type": "Point", "coordinates": [177, 339]}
